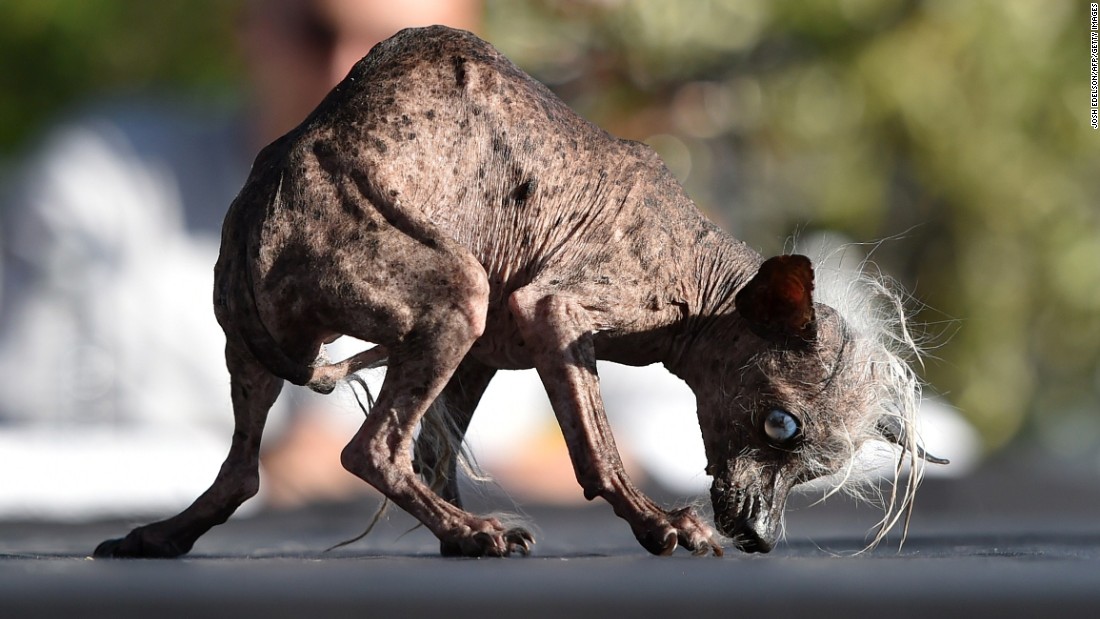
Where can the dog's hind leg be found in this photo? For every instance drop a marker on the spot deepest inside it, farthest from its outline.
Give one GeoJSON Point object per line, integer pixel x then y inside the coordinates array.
{"type": "Point", "coordinates": [254, 390]}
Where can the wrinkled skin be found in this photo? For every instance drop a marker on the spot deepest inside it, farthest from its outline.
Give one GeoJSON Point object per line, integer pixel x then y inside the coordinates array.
{"type": "Point", "coordinates": [446, 206]}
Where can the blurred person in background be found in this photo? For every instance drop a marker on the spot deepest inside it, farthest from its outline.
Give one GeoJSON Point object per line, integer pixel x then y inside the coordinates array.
{"type": "Point", "coordinates": [115, 397]}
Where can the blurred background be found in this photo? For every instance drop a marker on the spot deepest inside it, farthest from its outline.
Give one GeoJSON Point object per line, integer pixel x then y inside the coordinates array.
{"type": "Point", "coordinates": [956, 133]}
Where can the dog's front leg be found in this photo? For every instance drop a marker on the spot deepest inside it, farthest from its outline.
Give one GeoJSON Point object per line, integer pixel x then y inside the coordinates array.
{"type": "Point", "coordinates": [558, 332]}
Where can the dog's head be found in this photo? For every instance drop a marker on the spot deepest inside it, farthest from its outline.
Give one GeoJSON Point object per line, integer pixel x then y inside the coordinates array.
{"type": "Point", "coordinates": [788, 394]}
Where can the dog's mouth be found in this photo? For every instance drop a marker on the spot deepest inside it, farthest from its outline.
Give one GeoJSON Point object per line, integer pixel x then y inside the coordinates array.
{"type": "Point", "coordinates": [748, 515]}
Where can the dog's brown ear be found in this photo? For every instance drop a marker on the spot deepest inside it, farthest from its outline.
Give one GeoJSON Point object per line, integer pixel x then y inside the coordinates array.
{"type": "Point", "coordinates": [778, 301]}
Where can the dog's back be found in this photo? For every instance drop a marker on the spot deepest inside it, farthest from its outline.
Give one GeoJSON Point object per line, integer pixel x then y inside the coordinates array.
{"type": "Point", "coordinates": [438, 135]}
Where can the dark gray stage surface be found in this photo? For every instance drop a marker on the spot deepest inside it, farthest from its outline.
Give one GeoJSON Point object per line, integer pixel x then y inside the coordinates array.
{"type": "Point", "coordinates": [1011, 540]}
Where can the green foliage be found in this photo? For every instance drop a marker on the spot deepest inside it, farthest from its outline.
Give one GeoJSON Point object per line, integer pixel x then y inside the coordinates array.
{"type": "Point", "coordinates": [54, 53]}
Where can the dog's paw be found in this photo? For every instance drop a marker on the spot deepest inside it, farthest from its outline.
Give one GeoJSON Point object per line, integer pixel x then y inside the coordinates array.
{"type": "Point", "coordinates": [694, 534]}
{"type": "Point", "coordinates": [136, 546]}
{"type": "Point", "coordinates": [682, 527]}
{"type": "Point", "coordinates": [322, 386]}
{"type": "Point", "coordinates": [497, 542]}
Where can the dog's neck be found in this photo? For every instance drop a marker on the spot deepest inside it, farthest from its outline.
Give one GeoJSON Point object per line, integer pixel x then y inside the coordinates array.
{"type": "Point", "coordinates": [718, 266]}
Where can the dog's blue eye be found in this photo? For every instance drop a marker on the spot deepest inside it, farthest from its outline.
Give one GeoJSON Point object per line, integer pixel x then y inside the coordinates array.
{"type": "Point", "coordinates": [780, 426]}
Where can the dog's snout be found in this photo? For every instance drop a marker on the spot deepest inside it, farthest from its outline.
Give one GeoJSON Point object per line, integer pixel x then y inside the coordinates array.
{"type": "Point", "coordinates": [750, 535]}
{"type": "Point", "coordinates": [746, 517]}
{"type": "Point", "coordinates": [750, 540]}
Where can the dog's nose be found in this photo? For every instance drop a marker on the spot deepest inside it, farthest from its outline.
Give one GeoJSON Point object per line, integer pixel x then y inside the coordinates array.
{"type": "Point", "coordinates": [749, 541]}
{"type": "Point", "coordinates": [757, 532]}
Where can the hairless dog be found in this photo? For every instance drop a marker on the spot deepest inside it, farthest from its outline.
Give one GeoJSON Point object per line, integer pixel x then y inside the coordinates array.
{"type": "Point", "coordinates": [449, 208]}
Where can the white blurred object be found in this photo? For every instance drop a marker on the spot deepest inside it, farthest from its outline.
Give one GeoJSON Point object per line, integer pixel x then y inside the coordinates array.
{"type": "Point", "coordinates": [82, 473]}
{"type": "Point", "coordinates": [652, 414]}
{"type": "Point", "coordinates": [943, 433]}
{"type": "Point", "coordinates": [513, 410]}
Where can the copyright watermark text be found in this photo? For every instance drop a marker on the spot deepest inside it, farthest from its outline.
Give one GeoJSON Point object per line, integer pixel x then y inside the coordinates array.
{"type": "Point", "coordinates": [1094, 64]}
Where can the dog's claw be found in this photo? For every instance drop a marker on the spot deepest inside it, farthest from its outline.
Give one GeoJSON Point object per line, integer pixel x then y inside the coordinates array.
{"type": "Point", "coordinates": [661, 541]}
{"type": "Point", "coordinates": [519, 540]}
{"type": "Point", "coordinates": [695, 535]}
{"type": "Point", "coordinates": [707, 548]}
